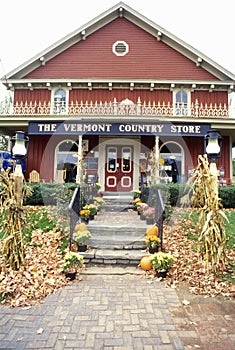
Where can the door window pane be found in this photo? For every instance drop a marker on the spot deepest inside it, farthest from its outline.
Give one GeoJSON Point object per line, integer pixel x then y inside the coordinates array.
{"type": "Point", "coordinates": [126, 159]}
{"type": "Point", "coordinates": [112, 159]}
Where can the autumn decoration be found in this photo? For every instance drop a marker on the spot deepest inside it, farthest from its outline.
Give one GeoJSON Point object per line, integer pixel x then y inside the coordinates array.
{"type": "Point", "coordinates": [212, 238]}
{"type": "Point", "coordinates": [81, 236]}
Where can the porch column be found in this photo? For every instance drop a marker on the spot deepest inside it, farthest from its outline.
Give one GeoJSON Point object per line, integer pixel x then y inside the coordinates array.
{"type": "Point", "coordinates": [157, 156]}
{"type": "Point", "coordinates": [79, 162]}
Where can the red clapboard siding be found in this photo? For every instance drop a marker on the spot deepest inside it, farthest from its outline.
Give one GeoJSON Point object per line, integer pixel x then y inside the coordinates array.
{"type": "Point", "coordinates": [32, 96]}
{"type": "Point", "coordinates": [147, 57]}
{"type": "Point", "coordinates": [97, 95]}
{"type": "Point", "coordinates": [210, 97]}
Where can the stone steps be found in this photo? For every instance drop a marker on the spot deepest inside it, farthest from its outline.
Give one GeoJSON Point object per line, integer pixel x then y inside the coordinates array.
{"type": "Point", "coordinates": [118, 234]}
{"type": "Point", "coordinates": [113, 257]}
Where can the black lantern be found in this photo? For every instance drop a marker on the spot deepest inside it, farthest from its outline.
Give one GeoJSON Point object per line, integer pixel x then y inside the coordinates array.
{"type": "Point", "coordinates": [213, 144]}
{"type": "Point", "coordinates": [19, 146]}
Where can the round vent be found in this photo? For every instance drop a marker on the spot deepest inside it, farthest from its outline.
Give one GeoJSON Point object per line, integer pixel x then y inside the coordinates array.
{"type": "Point", "coordinates": [120, 48]}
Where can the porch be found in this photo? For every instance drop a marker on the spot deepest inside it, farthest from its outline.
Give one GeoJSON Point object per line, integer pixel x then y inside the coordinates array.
{"type": "Point", "coordinates": [113, 108]}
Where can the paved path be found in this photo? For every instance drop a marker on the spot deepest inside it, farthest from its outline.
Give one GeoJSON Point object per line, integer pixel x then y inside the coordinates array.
{"type": "Point", "coordinates": [100, 312]}
{"type": "Point", "coordinates": [120, 311]}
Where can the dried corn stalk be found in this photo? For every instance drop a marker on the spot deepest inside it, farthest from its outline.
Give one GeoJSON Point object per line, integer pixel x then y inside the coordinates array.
{"type": "Point", "coordinates": [12, 212]}
{"type": "Point", "coordinates": [212, 235]}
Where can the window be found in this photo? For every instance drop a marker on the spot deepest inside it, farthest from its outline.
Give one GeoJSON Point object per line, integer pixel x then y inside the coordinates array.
{"type": "Point", "coordinates": [181, 102]}
{"type": "Point", "coordinates": [59, 101]}
{"type": "Point", "coordinates": [172, 156]}
{"type": "Point", "coordinates": [112, 159]}
{"type": "Point", "coordinates": [65, 159]}
{"type": "Point", "coordinates": [126, 159]}
{"type": "Point", "coordinates": [120, 48]}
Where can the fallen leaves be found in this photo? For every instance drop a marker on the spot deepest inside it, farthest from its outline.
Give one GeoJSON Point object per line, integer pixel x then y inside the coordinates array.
{"type": "Point", "coordinates": [187, 266]}
{"type": "Point", "coordinates": [42, 274]}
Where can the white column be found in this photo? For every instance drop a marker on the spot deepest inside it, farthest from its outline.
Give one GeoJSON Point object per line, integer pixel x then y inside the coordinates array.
{"type": "Point", "coordinates": [79, 162]}
{"type": "Point", "coordinates": [157, 156]}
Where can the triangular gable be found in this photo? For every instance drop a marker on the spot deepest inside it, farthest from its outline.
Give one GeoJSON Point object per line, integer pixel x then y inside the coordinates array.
{"type": "Point", "coordinates": [147, 58]}
{"type": "Point", "coordinates": [122, 11]}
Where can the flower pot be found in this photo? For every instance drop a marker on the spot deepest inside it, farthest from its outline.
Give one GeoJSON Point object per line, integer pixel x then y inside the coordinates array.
{"type": "Point", "coordinates": [142, 217]}
{"type": "Point", "coordinates": [91, 217]}
{"type": "Point", "coordinates": [71, 275]}
{"type": "Point", "coordinates": [153, 250]}
{"type": "Point", "coordinates": [82, 248]}
{"type": "Point", "coordinates": [149, 221]}
{"type": "Point", "coordinates": [162, 274]}
{"type": "Point", "coordinates": [86, 221]}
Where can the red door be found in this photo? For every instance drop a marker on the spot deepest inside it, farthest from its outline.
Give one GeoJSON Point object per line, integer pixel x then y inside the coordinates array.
{"type": "Point", "coordinates": [119, 168]}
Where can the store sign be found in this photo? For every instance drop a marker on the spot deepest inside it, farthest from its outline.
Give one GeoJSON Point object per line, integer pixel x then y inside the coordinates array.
{"type": "Point", "coordinates": [102, 128]}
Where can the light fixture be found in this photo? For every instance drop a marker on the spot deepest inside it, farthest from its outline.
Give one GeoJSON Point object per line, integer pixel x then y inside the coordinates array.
{"type": "Point", "coordinates": [213, 144]}
{"type": "Point", "coordinates": [19, 146]}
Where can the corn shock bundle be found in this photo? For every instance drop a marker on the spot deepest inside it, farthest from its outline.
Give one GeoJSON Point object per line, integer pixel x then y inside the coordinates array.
{"type": "Point", "coordinates": [212, 235]}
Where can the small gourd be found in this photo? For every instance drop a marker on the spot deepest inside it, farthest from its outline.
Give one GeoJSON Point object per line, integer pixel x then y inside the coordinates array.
{"type": "Point", "coordinates": [145, 263]}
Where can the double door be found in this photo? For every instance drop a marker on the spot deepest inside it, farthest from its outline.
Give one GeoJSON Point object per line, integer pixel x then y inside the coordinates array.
{"type": "Point", "coordinates": [119, 168]}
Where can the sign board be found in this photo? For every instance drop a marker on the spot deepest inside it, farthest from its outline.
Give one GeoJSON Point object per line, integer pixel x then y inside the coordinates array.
{"type": "Point", "coordinates": [125, 128]}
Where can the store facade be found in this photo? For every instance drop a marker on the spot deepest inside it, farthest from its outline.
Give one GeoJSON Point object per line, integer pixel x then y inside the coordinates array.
{"type": "Point", "coordinates": [116, 98]}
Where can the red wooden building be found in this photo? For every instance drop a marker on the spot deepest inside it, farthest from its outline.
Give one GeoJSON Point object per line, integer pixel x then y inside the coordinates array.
{"type": "Point", "coordinates": [113, 90]}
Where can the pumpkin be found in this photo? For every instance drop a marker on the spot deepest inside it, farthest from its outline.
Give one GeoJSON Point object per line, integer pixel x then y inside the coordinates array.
{"type": "Point", "coordinates": [152, 231]}
{"type": "Point", "coordinates": [145, 263]}
{"type": "Point", "coordinates": [81, 227]}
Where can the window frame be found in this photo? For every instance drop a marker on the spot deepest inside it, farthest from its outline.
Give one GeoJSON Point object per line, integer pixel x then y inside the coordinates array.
{"type": "Point", "coordinates": [185, 109]}
{"type": "Point", "coordinates": [59, 109]}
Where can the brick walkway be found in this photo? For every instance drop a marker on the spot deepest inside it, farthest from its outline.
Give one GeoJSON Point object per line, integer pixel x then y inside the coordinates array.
{"type": "Point", "coordinates": [119, 309]}
{"type": "Point", "coordinates": [100, 312]}
{"type": "Point", "coordinates": [119, 312]}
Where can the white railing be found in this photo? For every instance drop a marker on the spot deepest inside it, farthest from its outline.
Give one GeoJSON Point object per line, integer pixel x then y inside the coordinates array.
{"type": "Point", "coordinates": [197, 110]}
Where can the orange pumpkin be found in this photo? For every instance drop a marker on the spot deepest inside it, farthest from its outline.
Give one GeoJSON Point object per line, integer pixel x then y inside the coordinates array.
{"type": "Point", "coordinates": [145, 263]}
{"type": "Point", "coordinates": [152, 231]}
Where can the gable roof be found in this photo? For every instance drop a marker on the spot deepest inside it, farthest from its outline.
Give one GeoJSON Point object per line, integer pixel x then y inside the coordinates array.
{"type": "Point", "coordinates": [120, 10]}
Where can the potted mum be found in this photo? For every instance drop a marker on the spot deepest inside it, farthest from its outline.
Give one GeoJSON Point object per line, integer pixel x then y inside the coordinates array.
{"type": "Point", "coordinates": [81, 236]}
{"type": "Point", "coordinates": [72, 262]}
{"type": "Point", "coordinates": [161, 263]}
{"type": "Point", "coordinates": [149, 214]}
{"type": "Point", "coordinates": [140, 208]}
{"type": "Point", "coordinates": [84, 214]}
{"type": "Point", "coordinates": [152, 239]}
{"type": "Point", "coordinates": [152, 243]}
{"type": "Point", "coordinates": [93, 210]}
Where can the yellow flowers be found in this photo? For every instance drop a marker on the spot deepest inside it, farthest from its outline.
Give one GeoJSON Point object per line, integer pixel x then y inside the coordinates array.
{"type": "Point", "coordinates": [72, 261]}
{"type": "Point", "coordinates": [162, 261]}
{"type": "Point", "coordinates": [85, 213]}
